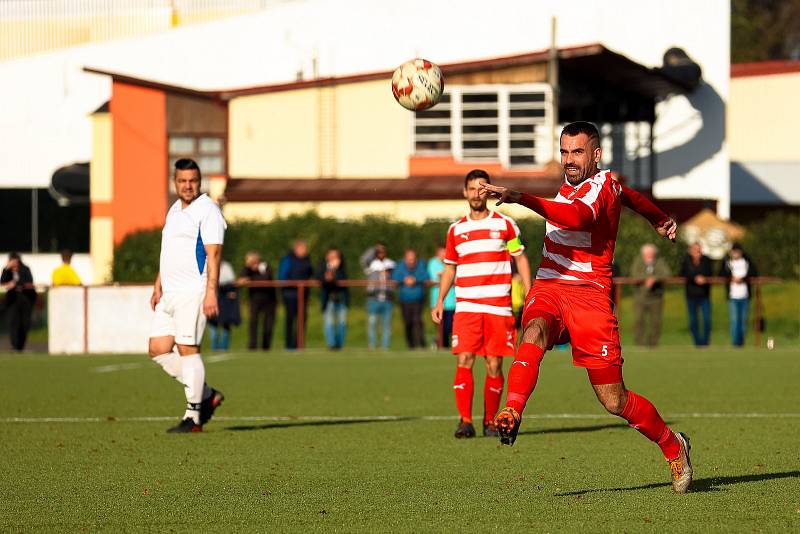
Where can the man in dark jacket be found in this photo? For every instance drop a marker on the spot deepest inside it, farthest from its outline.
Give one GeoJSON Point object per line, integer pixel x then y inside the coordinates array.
{"type": "Point", "coordinates": [17, 280]}
{"type": "Point", "coordinates": [334, 298]}
{"type": "Point", "coordinates": [696, 268]}
{"type": "Point", "coordinates": [296, 265]}
{"type": "Point", "coordinates": [263, 300]}
{"type": "Point", "coordinates": [738, 268]}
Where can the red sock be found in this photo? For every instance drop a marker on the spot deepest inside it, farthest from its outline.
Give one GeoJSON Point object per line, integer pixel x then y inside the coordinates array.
{"type": "Point", "coordinates": [643, 416]}
{"type": "Point", "coordinates": [522, 375]}
{"type": "Point", "coordinates": [492, 392]}
{"type": "Point", "coordinates": [464, 387]}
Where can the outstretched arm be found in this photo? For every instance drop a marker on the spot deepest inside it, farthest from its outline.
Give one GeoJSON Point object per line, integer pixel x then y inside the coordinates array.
{"type": "Point", "coordinates": [571, 215]}
{"type": "Point", "coordinates": [663, 223]}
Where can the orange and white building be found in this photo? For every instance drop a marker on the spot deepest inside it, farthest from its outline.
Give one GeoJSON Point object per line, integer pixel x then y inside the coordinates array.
{"type": "Point", "coordinates": [290, 109]}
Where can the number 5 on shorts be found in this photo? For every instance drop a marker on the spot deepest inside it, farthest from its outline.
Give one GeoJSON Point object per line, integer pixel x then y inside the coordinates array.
{"type": "Point", "coordinates": [604, 352]}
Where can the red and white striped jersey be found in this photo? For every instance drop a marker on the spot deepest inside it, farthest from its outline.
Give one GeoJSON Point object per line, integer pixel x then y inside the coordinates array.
{"type": "Point", "coordinates": [481, 250]}
{"type": "Point", "coordinates": [584, 255]}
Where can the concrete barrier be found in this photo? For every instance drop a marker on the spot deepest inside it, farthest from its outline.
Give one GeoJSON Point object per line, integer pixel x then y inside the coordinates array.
{"type": "Point", "coordinates": [99, 319]}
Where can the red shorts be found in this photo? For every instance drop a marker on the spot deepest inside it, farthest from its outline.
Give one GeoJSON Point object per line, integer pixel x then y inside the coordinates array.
{"type": "Point", "coordinates": [484, 334]}
{"type": "Point", "coordinates": [579, 314]}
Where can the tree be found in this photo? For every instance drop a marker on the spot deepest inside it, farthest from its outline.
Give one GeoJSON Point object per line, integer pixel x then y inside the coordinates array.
{"type": "Point", "coordinates": [765, 29]}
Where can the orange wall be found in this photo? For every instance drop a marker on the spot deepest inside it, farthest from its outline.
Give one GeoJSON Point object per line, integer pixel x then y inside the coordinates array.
{"type": "Point", "coordinates": [140, 159]}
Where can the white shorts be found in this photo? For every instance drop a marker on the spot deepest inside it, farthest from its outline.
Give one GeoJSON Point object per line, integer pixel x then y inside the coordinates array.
{"type": "Point", "coordinates": [180, 314]}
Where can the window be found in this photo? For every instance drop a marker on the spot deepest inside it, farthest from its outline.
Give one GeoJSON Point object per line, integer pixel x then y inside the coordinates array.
{"type": "Point", "coordinates": [506, 123]}
{"type": "Point", "coordinates": [207, 151]}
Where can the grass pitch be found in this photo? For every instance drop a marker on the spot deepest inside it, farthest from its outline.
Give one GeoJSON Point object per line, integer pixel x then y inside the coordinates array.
{"type": "Point", "coordinates": [362, 441]}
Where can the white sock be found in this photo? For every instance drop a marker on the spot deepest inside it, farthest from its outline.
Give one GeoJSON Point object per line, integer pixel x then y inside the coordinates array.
{"type": "Point", "coordinates": [193, 377]}
{"type": "Point", "coordinates": [171, 363]}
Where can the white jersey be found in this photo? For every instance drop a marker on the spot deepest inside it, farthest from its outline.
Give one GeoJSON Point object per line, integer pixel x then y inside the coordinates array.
{"type": "Point", "coordinates": [185, 234]}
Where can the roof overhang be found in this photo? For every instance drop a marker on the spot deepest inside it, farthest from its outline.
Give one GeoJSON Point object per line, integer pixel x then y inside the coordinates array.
{"type": "Point", "coordinates": [764, 68]}
{"type": "Point", "coordinates": [592, 62]}
{"type": "Point", "coordinates": [377, 189]}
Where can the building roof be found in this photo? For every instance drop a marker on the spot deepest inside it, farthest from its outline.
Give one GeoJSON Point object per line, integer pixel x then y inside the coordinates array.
{"type": "Point", "coordinates": [592, 61]}
{"type": "Point", "coordinates": [764, 68]}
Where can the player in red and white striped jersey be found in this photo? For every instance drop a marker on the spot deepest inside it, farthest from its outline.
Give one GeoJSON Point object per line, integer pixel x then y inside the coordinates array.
{"type": "Point", "coordinates": [478, 254]}
{"type": "Point", "coordinates": [571, 299]}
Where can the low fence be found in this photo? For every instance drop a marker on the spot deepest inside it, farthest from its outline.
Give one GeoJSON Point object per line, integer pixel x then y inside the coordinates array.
{"type": "Point", "coordinates": [117, 318]}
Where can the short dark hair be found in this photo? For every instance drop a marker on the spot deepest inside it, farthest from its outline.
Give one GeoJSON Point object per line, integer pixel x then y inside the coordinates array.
{"type": "Point", "coordinates": [476, 174]}
{"type": "Point", "coordinates": [66, 255]}
{"type": "Point", "coordinates": [14, 256]}
{"type": "Point", "coordinates": [737, 246]}
{"type": "Point", "coordinates": [188, 164]}
{"type": "Point", "coordinates": [582, 127]}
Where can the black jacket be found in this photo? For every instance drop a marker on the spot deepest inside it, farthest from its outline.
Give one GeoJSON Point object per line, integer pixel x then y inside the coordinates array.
{"type": "Point", "coordinates": [689, 270]}
{"type": "Point", "coordinates": [293, 268]}
{"type": "Point", "coordinates": [725, 270]}
{"type": "Point", "coordinates": [332, 290]}
{"type": "Point", "coordinates": [262, 273]}
{"type": "Point", "coordinates": [19, 290]}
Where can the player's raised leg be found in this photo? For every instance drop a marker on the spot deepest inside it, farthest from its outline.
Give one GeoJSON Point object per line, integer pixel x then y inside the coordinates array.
{"type": "Point", "coordinates": [643, 416]}
{"type": "Point", "coordinates": [522, 377]}
{"type": "Point", "coordinates": [464, 388]}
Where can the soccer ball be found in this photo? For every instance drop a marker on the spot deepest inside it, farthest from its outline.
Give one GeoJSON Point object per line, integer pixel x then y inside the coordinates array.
{"type": "Point", "coordinates": [417, 84]}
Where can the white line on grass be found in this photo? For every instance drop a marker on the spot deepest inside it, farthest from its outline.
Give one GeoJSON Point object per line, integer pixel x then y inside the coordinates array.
{"type": "Point", "coordinates": [213, 358]}
{"type": "Point", "coordinates": [326, 418]}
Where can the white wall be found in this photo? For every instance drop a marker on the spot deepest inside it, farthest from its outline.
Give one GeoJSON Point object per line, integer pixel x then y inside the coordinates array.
{"type": "Point", "coordinates": [118, 319]}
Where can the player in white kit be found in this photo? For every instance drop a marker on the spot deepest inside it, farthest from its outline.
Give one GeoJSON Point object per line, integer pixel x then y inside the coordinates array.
{"type": "Point", "coordinates": [185, 293]}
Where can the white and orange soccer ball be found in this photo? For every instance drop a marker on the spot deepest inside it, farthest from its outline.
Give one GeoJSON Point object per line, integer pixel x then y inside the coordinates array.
{"type": "Point", "coordinates": [417, 84]}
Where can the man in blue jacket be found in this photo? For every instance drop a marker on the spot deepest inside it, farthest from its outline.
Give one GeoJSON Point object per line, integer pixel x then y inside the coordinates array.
{"type": "Point", "coordinates": [296, 265]}
{"type": "Point", "coordinates": [411, 276]}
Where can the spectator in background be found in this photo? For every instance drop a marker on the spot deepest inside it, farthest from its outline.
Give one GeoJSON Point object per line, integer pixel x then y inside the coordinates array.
{"type": "Point", "coordinates": [378, 268]}
{"type": "Point", "coordinates": [435, 268]}
{"type": "Point", "coordinates": [229, 313]}
{"type": "Point", "coordinates": [411, 276]}
{"type": "Point", "coordinates": [296, 265]}
{"type": "Point", "coordinates": [262, 300]}
{"type": "Point", "coordinates": [738, 268]}
{"type": "Point", "coordinates": [696, 268]}
{"type": "Point", "coordinates": [648, 303]}
{"type": "Point", "coordinates": [65, 275]}
{"type": "Point", "coordinates": [17, 280]}
{"type": "Point", "coordinates": [334, 298]}
{"type": "Point", "coordinates": [517, 298]}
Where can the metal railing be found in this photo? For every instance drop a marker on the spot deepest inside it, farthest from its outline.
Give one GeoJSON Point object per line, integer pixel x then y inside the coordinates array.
{"type": "Point", "coordinates": [619, 282]}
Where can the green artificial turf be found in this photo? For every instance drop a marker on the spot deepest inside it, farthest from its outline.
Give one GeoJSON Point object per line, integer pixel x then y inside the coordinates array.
{"type": "Point", "coordinates": [366, 445]}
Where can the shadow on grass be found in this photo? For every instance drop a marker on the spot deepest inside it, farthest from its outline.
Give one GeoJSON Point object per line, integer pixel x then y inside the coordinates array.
{"type": "Point", "coordinates": [701, 485]}
{"type": "Point", "coordinates": [572, 429]}
{"type": "Point", "coordinates": [292, 424]}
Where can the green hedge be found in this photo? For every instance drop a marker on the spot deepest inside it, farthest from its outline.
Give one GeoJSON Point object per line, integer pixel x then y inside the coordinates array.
{"type": "Point", "coordinates": [774, 243]}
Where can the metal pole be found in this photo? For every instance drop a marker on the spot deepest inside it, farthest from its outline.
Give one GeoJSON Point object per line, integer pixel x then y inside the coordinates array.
{"type": "Point", "coordinates": [552, 79]}
{"type": "Point", "coordinates": [86, 319]}
{"type": "Point", "coordinates": [758, 314]}
{"type": "Point", "coordinates": [653, 160]}
{"type": "Point", "coordinates": [34, 220]}
{"type": "Point", "coordinates": [301, 312]}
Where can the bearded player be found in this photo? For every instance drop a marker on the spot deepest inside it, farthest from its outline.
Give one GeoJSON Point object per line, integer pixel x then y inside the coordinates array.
{"type": "Point", "coordinates": [571, 299]}
{"type": "Point", "coordinates": [478, 254]}
{"type": "Point", "coordinates": [185, 293]}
